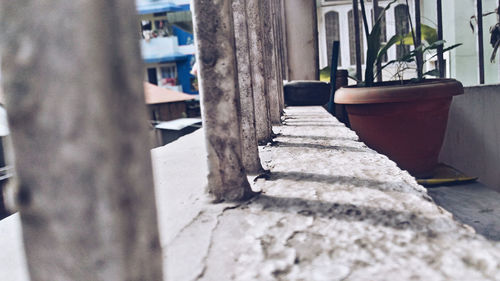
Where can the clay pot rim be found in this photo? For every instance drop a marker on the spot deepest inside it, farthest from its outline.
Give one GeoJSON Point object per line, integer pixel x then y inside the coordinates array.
{"type": "Point", "coordinates": [427, 89]}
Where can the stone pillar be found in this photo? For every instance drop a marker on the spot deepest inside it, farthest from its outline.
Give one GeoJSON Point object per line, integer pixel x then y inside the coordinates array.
{"type": "Point", "coordinates": [284, 57]}
{"type": "Point", "coordinates": [220, 100]}
{"type": "Point", "coordinates": [255, 36]}
{"type": "Point", "coordinates": [250, 150]}
{"type": "Point", "coordinates": [276, 10]}
{"type": "Point", "coordinates": [72, 78]}
{"type": "Point", "coordinates": [270, 59]}
{"type": "Point", "coordinates": [302, 40]}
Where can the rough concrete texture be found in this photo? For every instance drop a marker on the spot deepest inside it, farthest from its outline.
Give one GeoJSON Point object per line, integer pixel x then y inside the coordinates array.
{"type": "Point", "coordinates": [277, 30]}
{"type": "Point", "coordinates": [271, 61]}
{"type": "Point", "coordinates": [250, 150]}
{"type": "Point", "coordinates": [259, 82]}
{"type": "Point", "coordinates": [284, 54]}
{"type": "Point", "coordinates": [332, 209]}
{"type": "Point", "coordinates": [220, 98]}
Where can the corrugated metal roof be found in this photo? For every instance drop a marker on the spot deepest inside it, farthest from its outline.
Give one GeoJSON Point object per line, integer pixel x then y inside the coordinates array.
{"type": "Point", "coordinates": [156, 95]}
{"type": "Point", "coordinates": [178, 124]}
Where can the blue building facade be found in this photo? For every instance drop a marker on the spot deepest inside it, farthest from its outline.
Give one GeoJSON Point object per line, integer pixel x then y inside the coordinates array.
{"type": "Point", "coordinates": [167, 43]}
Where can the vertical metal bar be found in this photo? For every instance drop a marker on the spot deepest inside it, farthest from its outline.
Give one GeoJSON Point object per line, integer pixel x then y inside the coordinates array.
{"type": "Point", "coordinates": [480, 46]}
{"type": "Point", "coordinates": [357, 37]}
{"type": "Point", "coordinates": [333, 76]}
{"type": "Point", "coordinates": [418, 38]}
{"type": "Point", "coordinates": [376, 14]}
{"type": "Point", "coordinates": [441, 65]}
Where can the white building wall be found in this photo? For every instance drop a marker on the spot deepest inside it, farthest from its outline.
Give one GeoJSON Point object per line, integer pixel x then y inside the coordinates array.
{"type": "Point", "coordinates": [343, 7]}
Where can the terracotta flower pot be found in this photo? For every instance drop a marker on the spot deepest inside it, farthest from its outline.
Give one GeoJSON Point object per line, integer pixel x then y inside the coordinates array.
{"type": "Point", "coordinates": [405, 122]}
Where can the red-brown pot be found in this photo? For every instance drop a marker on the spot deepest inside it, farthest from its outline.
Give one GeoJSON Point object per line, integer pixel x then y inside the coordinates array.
{"type": "Point", "coordinates": [406, 122]}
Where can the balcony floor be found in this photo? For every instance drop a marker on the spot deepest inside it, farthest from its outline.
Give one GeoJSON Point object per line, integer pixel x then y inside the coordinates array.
{"type": "Point", "coordinates": [473, 204]}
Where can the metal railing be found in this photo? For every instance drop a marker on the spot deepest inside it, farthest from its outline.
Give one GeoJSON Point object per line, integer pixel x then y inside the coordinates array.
{"type": "Point", "coordinates": [417, 29]}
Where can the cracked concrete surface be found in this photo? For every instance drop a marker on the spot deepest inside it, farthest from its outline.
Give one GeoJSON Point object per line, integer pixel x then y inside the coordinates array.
{"type": "Point", "coordinates": [331, 209]}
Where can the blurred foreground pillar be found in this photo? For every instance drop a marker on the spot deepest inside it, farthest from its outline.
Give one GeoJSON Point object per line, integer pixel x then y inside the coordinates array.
{"type": "Point", "coordinates": [72, 78]}
{"type": "Point", "coordinates": [216, 56]}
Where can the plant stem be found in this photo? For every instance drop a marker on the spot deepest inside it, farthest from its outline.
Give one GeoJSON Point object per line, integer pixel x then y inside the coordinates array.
{"type": "Point", "coordinates": [365, 21]}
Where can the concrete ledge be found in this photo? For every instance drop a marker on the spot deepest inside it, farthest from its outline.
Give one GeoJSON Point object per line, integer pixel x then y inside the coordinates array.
{"type": "Point", "coordinates": [332, 209]}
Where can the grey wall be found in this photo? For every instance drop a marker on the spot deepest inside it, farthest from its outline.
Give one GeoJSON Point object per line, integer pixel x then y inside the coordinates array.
{"type": "Point", "coordinates": [302, 40]}
{"type": "Point", "coordinates": [472, 142]}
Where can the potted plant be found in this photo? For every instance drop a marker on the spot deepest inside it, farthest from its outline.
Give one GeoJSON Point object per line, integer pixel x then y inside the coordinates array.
{"type": "Point", "coordinates": [405, 119]}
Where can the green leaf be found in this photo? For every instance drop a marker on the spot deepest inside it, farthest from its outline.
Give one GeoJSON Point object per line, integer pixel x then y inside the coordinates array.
{"type": "Point", "coordinates": [388, 63]}
{"type": "Point", "coordinates": [447, 49]}
{"type": "Point", "coordinates": [451, 47]}
{"type": "Point", "coordinates": [428, 34]}
{"type": "Point", "coordinates": [373, 40]}
{"type": "Point", "coordinates": [394, 39]}
{"type": "Point", "coordinates": [434, 72]}
{"type": "Point", "coordinates": [434, 45]}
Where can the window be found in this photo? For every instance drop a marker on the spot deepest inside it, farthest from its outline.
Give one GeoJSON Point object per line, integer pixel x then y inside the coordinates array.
{"type": "Point", "coordinates": [167, 75]}
{"type": "Point", "coordinates": [352, 40]}
{"type": "Point", "coordinates": [402, 28]}
{"type": "Point", "coordinates": [332, 34]}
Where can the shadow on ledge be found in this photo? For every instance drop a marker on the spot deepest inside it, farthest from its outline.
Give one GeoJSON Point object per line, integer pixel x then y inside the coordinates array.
{"type": "Point", "coordinates": [399, 220]}
{"type": "Point", "coordinates": [336, 179]}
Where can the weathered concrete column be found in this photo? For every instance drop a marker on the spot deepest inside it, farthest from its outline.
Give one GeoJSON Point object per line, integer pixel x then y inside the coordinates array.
{"type": "Point", "coordinates": [302, 40]}
{"type": "Point", "coordinates": [255, 36]}
{"type": "Point", "coordinates": [250, 150]}
{"type": "Point", "coordinates": [276, 10]}
{"type": "Point", "coordinates": [216, 56]}
{"type": "Point", "coordinates": [72, 79]}
{"type": "Point", "coordinates": [284, 57]}
{"type": "Point", "coordinates": [270, 61]}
